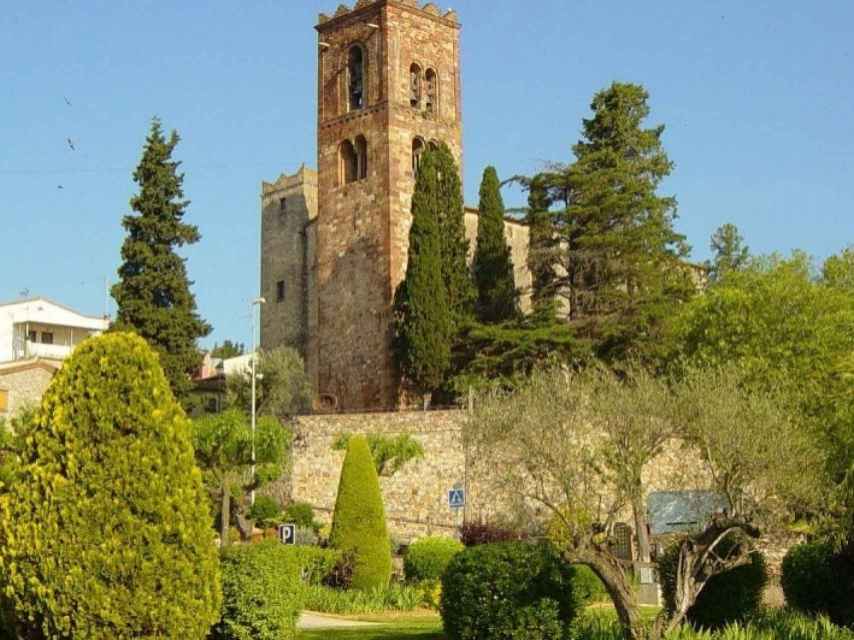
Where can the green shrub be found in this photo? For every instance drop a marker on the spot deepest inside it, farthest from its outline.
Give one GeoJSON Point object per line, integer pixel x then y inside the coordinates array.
{"type": "Point", "coordinates": [394, 597]}
{"type": "Point", "coordinates": [262, 592]}
{"type": "Point", "coordinates": [817, 580]}
{"type": "Point", "coordinates": [106, 531]}
{"type": "Point", "coordinates": [506, 591]}
{"type": "Point", "coordinates": [587, 586]}
{"type": "Point", "coordinates": [358, 525]}
{"type": "Point", "coordinates": [302, 515]}
{"type": "Point", "coordinates": [732, 596]}
{"type": "Point", "coordinates": [315, 563]}
{"type": "Point", "coordinates": [266, 510]}
{"type": "Point", "coordinates": [428, 558]}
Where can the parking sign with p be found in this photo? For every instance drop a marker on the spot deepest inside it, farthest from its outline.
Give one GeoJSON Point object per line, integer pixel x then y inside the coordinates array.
{"type": "Point", "coordinates": [287, 533]}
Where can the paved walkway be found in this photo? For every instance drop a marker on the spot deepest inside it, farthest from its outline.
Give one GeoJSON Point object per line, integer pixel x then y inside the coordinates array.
{"type": "Point", "coordinates": [311, 620]}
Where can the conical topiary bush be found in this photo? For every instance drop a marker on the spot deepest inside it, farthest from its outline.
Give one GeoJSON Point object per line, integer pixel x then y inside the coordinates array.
{"type": "Point", "coordinates": [105, 532]}
{"type": "Point", "coordinates": [358, 525]}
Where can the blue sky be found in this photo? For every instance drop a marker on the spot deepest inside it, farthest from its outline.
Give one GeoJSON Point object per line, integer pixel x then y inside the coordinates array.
{"type": "Point", "coordinates": [758, 99]}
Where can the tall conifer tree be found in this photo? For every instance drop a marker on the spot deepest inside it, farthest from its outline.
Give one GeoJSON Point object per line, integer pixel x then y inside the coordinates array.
{"type": "Point", "coordinates": [423, 324]}
{"type": "Point", "coordinates": [460, 289]}
{"type": "Point", "coordinates": [153, 294]}
{"type": "Point", "coordinates": [493, 265]}
{"type": "Point", "coordinates": [625, 261]}
{"type": "Point", "coordinates": [543, 248]}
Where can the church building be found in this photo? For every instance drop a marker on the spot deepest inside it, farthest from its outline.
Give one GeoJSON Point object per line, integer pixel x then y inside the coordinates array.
{"type": "Point", "coordinates": [334, 242]}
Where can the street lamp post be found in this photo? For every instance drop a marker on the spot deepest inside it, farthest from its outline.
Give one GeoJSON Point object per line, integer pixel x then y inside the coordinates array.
{"type": "Point", "coordinates": [256, 302]}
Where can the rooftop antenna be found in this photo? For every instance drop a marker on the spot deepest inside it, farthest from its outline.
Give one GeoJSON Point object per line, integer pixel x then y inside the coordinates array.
{"type": "Point", "coordinates": [24, 293]}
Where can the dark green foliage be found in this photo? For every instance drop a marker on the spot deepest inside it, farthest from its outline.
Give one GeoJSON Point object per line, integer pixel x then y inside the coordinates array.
{"type": "Point", "coordinates": [493, 268]}
{"type": "Point", "coordinates": [428, 558]}
{"type": "Point", "coordinates": [505, 354]}
{"type": "Point", "coordinates": [105, 533]}
{"type": "Point", "coordinates": [543, 249]}
{"type": "Point", "coordinates": [423, 315]}
{"type": "Point", "coordinates": [461, 294]}
{"type": "Point", "coordinates": [389, 453]}
{"type": "Point", "coordinates": [624, 261]}
{"type": "Point", "coordinates": [732, 596]}
{"type": "Point", "coordinates": [731, 254]}
{"type": "Point", "coordinates": [358, 525]}
{"type": "Point", "coordinates": [153, 294]}
{"type": "Point", "coordinates": [302, 515]}
{"type": "Point", "coordinates": [266, 510]}
{"type": "Point", "coordinates": [262, 593]}
{"type": "Point", "coordinates": [223, 446]}
{"type": "Point", "coordinates": [282, 389]}
{"type": "Point", "coordinates": [816, 579]}
{"type": "Point", "coordinates": [507, 591]}
{"type": "Point", "coordinates": [228, 349]}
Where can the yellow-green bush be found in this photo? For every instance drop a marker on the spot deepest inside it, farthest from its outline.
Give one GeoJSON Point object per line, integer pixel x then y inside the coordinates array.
{"type": "Point", "coordinates": [428, 558]}
{"type": "Point", "coordinates": [105, 532]}
{"type": "Point", "coordinates": [358, 525]}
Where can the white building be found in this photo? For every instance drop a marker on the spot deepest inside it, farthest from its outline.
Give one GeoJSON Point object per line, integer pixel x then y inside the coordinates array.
{"type": "Point", "coordinates": [39, 328]}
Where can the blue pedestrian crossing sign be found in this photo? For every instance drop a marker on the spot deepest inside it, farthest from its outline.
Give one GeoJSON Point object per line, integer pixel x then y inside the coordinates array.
{"type": "Point", "coordinates": [457, 498]}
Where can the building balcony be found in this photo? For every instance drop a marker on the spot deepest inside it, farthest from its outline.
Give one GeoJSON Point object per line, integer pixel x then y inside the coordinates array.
{"type": "Point", "coordinates": [40, 350]}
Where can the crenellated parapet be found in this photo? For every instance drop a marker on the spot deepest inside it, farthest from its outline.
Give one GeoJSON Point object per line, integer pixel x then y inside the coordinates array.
{"type": "Point", "coordinates": [428, 8]}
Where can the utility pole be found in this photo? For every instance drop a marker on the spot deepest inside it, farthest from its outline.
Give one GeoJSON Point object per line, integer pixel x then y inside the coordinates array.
{"type": "Point", "coordinates": [256, 302]}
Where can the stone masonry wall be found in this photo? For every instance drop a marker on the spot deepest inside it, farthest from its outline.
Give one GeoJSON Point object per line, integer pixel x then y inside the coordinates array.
{"type": "Point", "coordinates": [25, 387]}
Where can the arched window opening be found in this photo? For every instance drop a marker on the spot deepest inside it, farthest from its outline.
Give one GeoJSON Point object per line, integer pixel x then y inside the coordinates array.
{"type": "Point", "coordinates": [349, 161]}
{"type": "Point", "coordinates": [356, 77]}
{"type": "Point", "coordinates": [431, 104]}
{"type": "Point", "coordinates": [361, 157]}
{"type": "Point", "coordinates": [415, 86]}
{"type": "Point", "coordinates": [417, 150]}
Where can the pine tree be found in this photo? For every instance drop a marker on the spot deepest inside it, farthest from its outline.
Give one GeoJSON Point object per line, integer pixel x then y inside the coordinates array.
{"type": "Point", "coordinates": [731, 254]}
{"type": "Point", "coordinates": [461, 294]}
{"type": "Point", "coordinates": [625, 258]}
{"type": "Point", "coordinates": [493, 266]}
{"type": "Point", "coordinates": [423, 330]}
{"type": "Point", "coordinates": [153, 295]}
{"type": "Point", "coordinates": [543, 248]}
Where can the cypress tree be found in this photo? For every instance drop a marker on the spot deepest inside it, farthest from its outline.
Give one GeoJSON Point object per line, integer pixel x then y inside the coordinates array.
{"type": "Point", "coordinates": [153, 294]}
{"type": "Point", "coordinates": [493, 265]}
{"type": "Point", "coordinates": [625, 259]}
{"type": "Point", "coordinates": [460, 289]}
{"type": "Point", "coordinates": [423, 325]}
{"type": "Point", "coordinates": [358, 524]}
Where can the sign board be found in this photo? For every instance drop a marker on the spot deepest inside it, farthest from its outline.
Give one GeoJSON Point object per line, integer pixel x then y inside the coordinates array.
{"type": "Point", "coordinates": [457, 498]}
{"type": "Point", "coordinates": [288, 533]}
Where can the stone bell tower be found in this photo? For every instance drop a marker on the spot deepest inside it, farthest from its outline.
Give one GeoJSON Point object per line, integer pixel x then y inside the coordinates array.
{"type": "Point", "coordinates": [388, 87]}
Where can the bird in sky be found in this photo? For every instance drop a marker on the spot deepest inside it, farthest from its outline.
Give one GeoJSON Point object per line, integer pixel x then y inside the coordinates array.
{"type": "Point", "coordinates": [70, 143]}
{"type": "Point", "coordinates": [59, 186]}
{"type": "Point", "coordinates": [67, 101]}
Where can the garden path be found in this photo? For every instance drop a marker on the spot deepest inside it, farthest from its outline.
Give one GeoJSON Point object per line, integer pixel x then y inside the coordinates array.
{"type": "Point", "coordinates": [311, 620]}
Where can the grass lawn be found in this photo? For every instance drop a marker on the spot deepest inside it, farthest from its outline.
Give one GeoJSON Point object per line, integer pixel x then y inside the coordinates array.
{"type": "Point", "coordinates": [393, 627]}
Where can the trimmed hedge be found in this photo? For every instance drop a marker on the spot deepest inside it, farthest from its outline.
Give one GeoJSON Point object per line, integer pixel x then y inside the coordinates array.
{"type": "Point", "coordinates": [358, 525]}
{"type": "Point", "coordinates": [508, 591]}
{"type": "Point", "coordinates": [428, 558]}
{"type": "Point", "coordinates": [262, 592]}
{"type": "Point", "coordinates": [732, 596]}
{"type": "Point", "coordinates": [817, 580]}
{"type": "Point", "coordinates": [106, 531]}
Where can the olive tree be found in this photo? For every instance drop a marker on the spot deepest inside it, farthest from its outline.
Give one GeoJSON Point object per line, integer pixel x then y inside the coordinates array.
{"type": "Point", "coordinates": [576, 451]}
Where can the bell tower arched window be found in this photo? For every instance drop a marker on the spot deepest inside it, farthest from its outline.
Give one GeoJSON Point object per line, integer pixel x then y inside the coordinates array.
{"type": "Point", "coordinates": [355, 78]}
{"type": "Point", "coordinates": [349, 163]}
{"type": "Point", "coordinates": [361, 158]}
{"type": "Point", "coordinates": [418, 148]}
{"type": "Point", "coordinates": [415, 86]}
{"type": "Point", "coordinates": [431, 80]}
